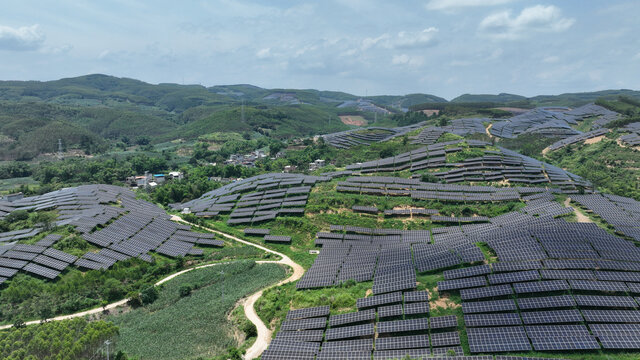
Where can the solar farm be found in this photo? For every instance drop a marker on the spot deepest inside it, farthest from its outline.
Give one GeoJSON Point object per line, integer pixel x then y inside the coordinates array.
{"type": "Point", "coordinates": [529, 280]}
{"type": "Point", "coordinates": [459, 249]}
{"type": "Point", "coordinates": [109, 217]}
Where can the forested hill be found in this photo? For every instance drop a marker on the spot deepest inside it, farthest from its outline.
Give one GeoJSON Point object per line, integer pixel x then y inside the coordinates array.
{"type": "Point", "coordinates": [91, 112]}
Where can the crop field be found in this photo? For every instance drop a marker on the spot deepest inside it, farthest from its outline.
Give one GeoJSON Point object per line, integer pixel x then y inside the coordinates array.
{"type": "Point", "coordinates": [153, 332]}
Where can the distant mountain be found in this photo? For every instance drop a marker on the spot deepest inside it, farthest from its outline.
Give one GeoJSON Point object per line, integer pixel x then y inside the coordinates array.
{"type": "Point", "coordinates": [88, 112]}
{"type": "Point", "coordinates": [500, 98]}
{"type": "Point", "coordinates": [577, 99]}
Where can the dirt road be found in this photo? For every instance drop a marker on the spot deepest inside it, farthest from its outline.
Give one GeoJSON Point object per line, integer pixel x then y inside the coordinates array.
{"type": "Point", "coordinates": [264, 334]}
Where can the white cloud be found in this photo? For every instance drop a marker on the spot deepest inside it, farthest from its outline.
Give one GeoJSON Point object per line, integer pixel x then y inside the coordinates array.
{"type": "Point", "coordinates": [425, 37]}
{"type": "Point", "coordinates": [404, 59]}
{"type": "Point", "coordinates": [539, 18]}
{"type": "Point", "coordinates": [637, 56]}
{"type": "Point", "coordinates": [551, 59]}
{"type": "Point", "coordinates": [455, 4]}
{"type": "Point", "coordinates": [263, 53]}
{"type": "Point", "coordinates": [24, 38]}
{"type": "Point", "coordinates": [403, 40]}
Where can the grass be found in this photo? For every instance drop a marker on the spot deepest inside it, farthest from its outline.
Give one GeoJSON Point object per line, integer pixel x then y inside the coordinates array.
{"type": "Point", "coordinates": [6, 185]}
{"type": "Point", "coordinates": [197, 325]}
{"type": "Point", "coordinates": [276, 302]}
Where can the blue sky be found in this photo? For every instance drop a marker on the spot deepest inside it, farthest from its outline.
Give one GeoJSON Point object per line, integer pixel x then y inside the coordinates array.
{"type": "Point", "coordinates": [441, 47]}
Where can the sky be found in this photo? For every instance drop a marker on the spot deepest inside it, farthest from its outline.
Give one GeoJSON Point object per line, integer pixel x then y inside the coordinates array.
{"type": "Point", "coordinates": [364, 47]}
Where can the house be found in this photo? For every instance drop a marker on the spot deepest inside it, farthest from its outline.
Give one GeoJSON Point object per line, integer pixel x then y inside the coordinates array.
{"type": "Point", "coordinates": [177, 175]}
{"type": "Point", "coordinates": [158, 178]}
{"type": "Point", "coordinates": [316, 165]}
{"type": "Point", "coordinates": [290, 168]}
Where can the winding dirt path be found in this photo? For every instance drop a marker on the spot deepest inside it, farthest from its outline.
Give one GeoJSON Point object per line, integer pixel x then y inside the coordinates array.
{"type": "Point", "coordinates": [582, 218]}
{"type": "Point", "coordinates": [117, 303]}
{"type": "Point", "coordinates": [264, 334]}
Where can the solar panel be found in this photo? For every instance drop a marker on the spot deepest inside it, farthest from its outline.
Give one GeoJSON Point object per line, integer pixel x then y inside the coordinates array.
{"type": "Point", "coordinates": [466, 272]}
{"type": "Point", "coordinates": [551, 317]}
{"type": "Point", "coordinates": [620, 341]}
{"type": "Point", "coordinates": [389, 311]}
{"type": "Point", "coordinates": [443, 322]}
{"type": "Point", "coordinates": [397, 326]}
{"type": "Point", "coordinates": [499, 339]}
{"type": "Point", "coordinates": [319, 311]}
{"type": "Point", "coordinates": [486, 292]}
{"type": "Point", "coordinates": [444, 339]}
{"type": "Point", "coordinates": [416, 296]}
{"type": "Point", "coordinates": [541, 286]}
{"type": "Point", "coordinates": [304, 324]}
{"type": "Point", "coordinates": [417, 354]}
{"type": "Point", "coordinates": [611, 316]}
{"type": "Point", "coordinates": [417, 308]}
{"type": "Point", "coordinates": [512, 277]}
{"type": "Point", "coordinates": [347, 332]}
{"type": "Point", "coordinates": [352, 318]}
{"type": "Point", "coordinates": [377, 300]}
{"type": "Point", "coordinates": [464, 283]}
{"type": "Point", "coordinates": [546, 302]}
{"type": "Point", "coordinates": [344, 345]}
{"type": "Point", "coordinates": [306, 335]}
{"type": "Point", "coordinates": [556, 343]}
{"type": "Point", "coordinates": [402, 342]}
{"type": "Point", "coordinates": [488, 306]}
{"type": "Point", "coordinates": [497, 319]}
{"type": "Point", "coordinates": [605, 301]}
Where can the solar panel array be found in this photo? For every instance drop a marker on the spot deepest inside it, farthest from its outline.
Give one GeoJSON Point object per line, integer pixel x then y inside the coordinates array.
{"type": "Point", "coordinates": [537, 121]}
{"type": "Point", "coordinates": [461, 127]}
{"type": "Point", "coordinates": [604, 115]}
{"type": "Point", "coordinates": [632, 139]}
{"type": "Point", "coordinates": [578, 138]}
{"type": "Point", "coordinates": [132, 229]}
{"type": "Point", "coordinates": [620, 212]}
{"type": "Point", "coordinates": [257, 199]}
{"type": "Point", "coordinates": [350, 138]}
{"type": "Point", "coordinates": [361, 334]}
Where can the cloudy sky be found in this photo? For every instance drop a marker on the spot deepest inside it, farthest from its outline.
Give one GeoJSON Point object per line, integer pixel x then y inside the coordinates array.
{"type": "Point", "coordinates": [365, 47]}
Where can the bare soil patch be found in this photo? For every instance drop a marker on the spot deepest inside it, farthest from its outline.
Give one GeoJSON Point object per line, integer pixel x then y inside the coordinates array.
{"type": "Point", "coordinates": [430, 112]}
{"type": "Point", "coordinates": [594, 140]}
{"type": "Point", "coordinates": [353, 120]}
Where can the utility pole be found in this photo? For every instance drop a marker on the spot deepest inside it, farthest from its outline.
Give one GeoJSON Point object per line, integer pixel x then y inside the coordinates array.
{"type": "Point", "coordinates": [108, 342]}
{"type": "Point", "coordinates": [59, 148]}
{"type": "Point", "coordinates": [221, 283]}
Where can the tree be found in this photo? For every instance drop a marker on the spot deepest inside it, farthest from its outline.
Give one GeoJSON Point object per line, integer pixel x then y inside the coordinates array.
{"type": "Point", "coordinates": [143, 140]}
{"type": "Point", "coordinates": [185, 290]}
{"type": "Point", "coordinates": [149, 295]}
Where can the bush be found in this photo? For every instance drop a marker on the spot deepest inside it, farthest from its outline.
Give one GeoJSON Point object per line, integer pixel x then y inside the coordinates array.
{"type": "Point", "coordinates": [149, 295]}
{"type": "Point", "coordinates": [185, 290]}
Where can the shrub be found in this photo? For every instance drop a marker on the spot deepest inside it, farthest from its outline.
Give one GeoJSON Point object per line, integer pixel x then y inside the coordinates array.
{"type": "Point", "coordinates": [185, 290]}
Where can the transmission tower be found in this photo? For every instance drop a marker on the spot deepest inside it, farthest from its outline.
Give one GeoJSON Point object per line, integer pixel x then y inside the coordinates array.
{"type": "Point", "coordinates": [59, 148]}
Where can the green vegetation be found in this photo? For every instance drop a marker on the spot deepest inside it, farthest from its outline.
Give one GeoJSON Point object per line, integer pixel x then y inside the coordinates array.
{"type": "Point", "coordinates": [58, 340]}
{"type": "Point", "coordinates": [272, 307]}
{"type": "Point", "coordinates": [204, 330]}
{"type": "Point", "coordinates": [610, 167]}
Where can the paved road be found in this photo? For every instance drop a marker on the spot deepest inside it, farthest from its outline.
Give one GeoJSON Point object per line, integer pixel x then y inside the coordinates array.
{"type": "Point", "coordinates": [264, 334]}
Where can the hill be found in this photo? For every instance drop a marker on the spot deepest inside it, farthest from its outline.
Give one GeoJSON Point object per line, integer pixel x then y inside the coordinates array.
{"type": "Point", "coordinates": [501, 98]}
